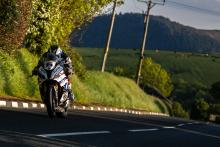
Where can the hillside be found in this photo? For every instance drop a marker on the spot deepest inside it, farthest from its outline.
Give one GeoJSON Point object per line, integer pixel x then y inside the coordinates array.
{"type": "Point", "coordinates": [164, 34]}
{"type": "Point", "coordinates": [192, 68]}
{"type": "Point", "coordinates": [192, 74]}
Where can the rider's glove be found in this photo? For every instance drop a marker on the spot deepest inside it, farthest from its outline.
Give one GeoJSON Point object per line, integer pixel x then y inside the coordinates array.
{"type": "Point", "coordinates": [69, 71]}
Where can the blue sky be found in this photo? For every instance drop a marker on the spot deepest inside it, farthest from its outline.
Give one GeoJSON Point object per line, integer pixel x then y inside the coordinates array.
{"type": "Point", "coordinates": [207, 18]}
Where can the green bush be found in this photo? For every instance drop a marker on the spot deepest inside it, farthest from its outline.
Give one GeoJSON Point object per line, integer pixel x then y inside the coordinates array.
{"type": "Point", "coordinates": [119, 71]}
{"type": "Point", "coordinates": [200, 109]}
{"type": "Point", "coordinates": [178, 110]}
{"type": "Point", "coordinates": [77, 61]}
{"type": "Point", "coordinates": [155, 76]}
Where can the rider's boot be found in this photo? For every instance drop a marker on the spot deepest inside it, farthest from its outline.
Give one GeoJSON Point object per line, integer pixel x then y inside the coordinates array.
{"type": "Point", "coordinates": [71, 95]}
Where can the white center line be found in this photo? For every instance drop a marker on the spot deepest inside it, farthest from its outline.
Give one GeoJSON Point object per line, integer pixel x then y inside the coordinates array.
{"type": "Point", "coordinates": [169, 127]}
{"type": "Point", "coordinates": [74, 134]}
{"type": "Point", "coordinates": [143, 130]}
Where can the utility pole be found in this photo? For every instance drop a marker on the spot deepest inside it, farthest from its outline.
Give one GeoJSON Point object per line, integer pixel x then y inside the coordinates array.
{"type": "Point", "coordinates": [150, 5]}
{"type": "Point", "coordinates": [109, 36]}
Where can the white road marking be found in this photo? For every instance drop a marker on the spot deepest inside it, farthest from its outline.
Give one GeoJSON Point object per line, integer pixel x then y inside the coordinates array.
{"type": "Point", "coordinates": [25, 105]}
{"type": "Point", "coordinates": [180, 125]}
{"type": "Point", "coordinates": [14, 104]}
{"type": "Point", "coordinates": [2, 103]}
{"type": "Point", "coordinates": [34, 105]}
{"type": "Point", "coordinates": [143, 130]}
{"type": "Point", "coordinates": [74, 134]}
{"type": "Point", "coordinates": [169, 127]}
{"type": "Point", "coordinates": [42, 105]}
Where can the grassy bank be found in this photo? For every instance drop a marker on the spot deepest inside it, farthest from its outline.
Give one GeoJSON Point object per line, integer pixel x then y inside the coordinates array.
{"type": "Point", "coordinates": [110, 90]}
{"type": "Point", "coordinates": [97, 88]}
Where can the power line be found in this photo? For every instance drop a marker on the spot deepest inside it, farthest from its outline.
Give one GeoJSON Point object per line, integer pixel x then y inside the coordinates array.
{"type": "Point", "coordinates": [193, 8]}
{"type": "Point", "coordinates": [171, 3]}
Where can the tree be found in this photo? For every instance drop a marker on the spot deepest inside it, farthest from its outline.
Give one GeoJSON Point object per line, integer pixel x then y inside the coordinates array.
{"type": "Point", "coordinates": [14, 19]}
{"type": "Point", "coordinates": [53, 20]}
{"type": "Point", "coordinates": [215, 91]}
{"type": "Point", "coordinates": [154, 75]}
{"type": "Point", "coordinates": [200, 109]}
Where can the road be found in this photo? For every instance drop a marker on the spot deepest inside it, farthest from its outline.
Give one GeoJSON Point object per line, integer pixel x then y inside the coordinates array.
{"type": "Point", "coordinates": [29, 127]}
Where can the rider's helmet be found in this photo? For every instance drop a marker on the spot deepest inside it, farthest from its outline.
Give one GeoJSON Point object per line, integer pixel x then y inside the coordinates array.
{"type": "Point", "coordinates": [54, 49]}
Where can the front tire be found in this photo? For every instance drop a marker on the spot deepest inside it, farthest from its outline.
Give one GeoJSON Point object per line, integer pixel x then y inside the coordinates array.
{"type": "Point", "coordinates": [62, 114]}
{"type": "Point", "coordinates": [50, 102]}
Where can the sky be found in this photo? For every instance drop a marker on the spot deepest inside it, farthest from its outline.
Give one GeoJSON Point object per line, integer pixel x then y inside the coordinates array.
{"type": "Point", "coordinates": [201, 14]}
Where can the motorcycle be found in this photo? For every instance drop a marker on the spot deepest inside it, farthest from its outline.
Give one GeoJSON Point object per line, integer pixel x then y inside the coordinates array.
{"type": "Point", "coordinates": [53, 86]}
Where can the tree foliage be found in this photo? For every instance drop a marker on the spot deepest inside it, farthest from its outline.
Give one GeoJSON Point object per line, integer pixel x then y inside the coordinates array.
{"type": "Point", "coordinates": [178, 110]}
{"type": "Point", "coordinates": [78, 64]}
{"type": "Point", "coordinates": [200, 109]}
{"type": "Point", "coordinates": [155, 76]}
{"type": "Point", "coordinates": [53, 21]}
{"type": "Point", "coordinates": [14, 19]}
{"type": "Point", "coordinates": [215, 91]}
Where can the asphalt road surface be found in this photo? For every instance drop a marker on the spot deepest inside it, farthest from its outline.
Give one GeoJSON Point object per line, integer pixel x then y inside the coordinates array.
{"type": "Point", "coordinates": [103, 129]}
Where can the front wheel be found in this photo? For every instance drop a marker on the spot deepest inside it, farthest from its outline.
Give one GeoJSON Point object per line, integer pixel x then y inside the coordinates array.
{"type": "Point", "coordinates": [62, 114]}
{"type": "Point", "coordinates": [50, 102]}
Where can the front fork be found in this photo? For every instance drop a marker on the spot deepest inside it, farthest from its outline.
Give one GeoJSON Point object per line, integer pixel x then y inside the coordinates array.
{"type": "Point", "coordinates": [60, 100]}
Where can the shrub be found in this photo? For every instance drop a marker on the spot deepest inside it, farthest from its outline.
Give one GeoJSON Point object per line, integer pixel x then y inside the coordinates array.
{"type": "Point", "coordinates": [200, 109]}
{"type": "Point", "coordinates": [118, 71]}
{"type": "Point", "coordinates": [178, 110]}
{"type": "Point", "coordinates": [77, 61]}
{"type": "Point", "coordinates": [155, 76]}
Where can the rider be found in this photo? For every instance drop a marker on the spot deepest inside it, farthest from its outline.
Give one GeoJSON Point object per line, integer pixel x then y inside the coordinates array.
{"type": "Point", "coordinates": [68, 69]}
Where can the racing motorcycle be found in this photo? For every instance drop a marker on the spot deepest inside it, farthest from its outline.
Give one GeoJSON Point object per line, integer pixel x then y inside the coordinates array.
{"type": "Point", "coordinates": [53, 86]}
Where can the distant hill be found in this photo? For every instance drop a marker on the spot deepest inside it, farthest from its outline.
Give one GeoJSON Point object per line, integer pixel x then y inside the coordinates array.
{"type": "Point", "coordinates": [164, 34]}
